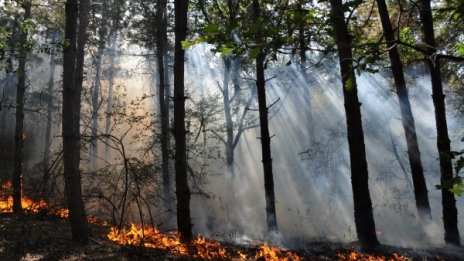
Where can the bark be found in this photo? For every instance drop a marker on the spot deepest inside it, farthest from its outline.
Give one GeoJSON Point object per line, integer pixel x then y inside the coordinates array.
{"type": "Point", "coordinates": [161, 41]}
{"type": "Point", "coordinates": [48, 129]}
{"type": "Point", "coordinates": [363, 214]}
{"type": "Point", "coordinates": [420, 186]}
{"type": "Point", "coordinates": [16, 179]}
{"type": "Point", "coordinates": [73, 61]}
{"type": "Point", "coordinates": [271, 217]}
{"type": "Point", "coordinates": [182, 188]}
{"type": "Point", "coordinates": [450, 212]}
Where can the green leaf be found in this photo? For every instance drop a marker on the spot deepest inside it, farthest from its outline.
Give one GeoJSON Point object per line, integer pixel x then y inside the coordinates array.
{"type": "Point", "coordinates": [211, 28]}
{"type": "Point", "coordinates": [459, 48]}
{"type": "Point", "coordinates": [350, 84]}
{"type": "Point", "coordinates": [187, 44]}
{"type": "Point", "coordinates": [226, 51]}
{"type": "Point", "coordinates": [458, 189]}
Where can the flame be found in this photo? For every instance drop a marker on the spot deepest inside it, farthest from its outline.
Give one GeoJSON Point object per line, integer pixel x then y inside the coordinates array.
{"type": "Point", "coordinates": [153, 238]}
{"type": "Point", "coordinates": [199, 248]}
{"type": "Point", "coordinates": [6, 203]}
{"type": "Point", "coordinates": [354, 256]}
{"type": "Point", "coordinates": [275, 254]}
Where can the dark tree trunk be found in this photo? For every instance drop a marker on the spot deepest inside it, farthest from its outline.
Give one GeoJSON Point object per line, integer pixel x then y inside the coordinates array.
{"type": "Point", "coordinates": [363, 214]}
{"type": "Point", "coordinates": [271, 217]}
{"type": "Point", "coordinates": [161, 41]}
{"type": "Point", "coordinates": [19, 128]}
{"type": "Point", "coordinates": [182, 188]}
{"type": "Point", "coordinates": [450, 212]}
{"type": "Point", "coordinates": [73, 61]}
{"type": "Point", "coordinates": [420, 187]}
{"type": "Point", "coordinates": [48, 129]}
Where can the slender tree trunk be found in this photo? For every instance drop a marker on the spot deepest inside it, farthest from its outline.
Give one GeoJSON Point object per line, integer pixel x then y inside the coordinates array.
{"type": "Point", "coordinates": [228, 116]}
{"type": "Point", "coordinates": [48, 130]}
{"type": "Point", "coordinates": [19, 129]}
{"type": "Point", "coordinates": [95, 107]}
{"type": "Point", "coordinates": [182, 188]}
{"type": "Point", "coordinates": [450, 212]}
{"type": "Point", "coordinates": [161, 40]}
{"type": "Point", "coordinates": [73, 62]}
{"type": "Point", "coordinates": [103, 39]}
{"type": "Point", "coordinates": [109, 101]}
{"type": "Point", "coordinates": [271, 217]}
{"type": "Point", "coordinates": [363, 214]}
{"type": "Point", "coordinates": [420, 187]}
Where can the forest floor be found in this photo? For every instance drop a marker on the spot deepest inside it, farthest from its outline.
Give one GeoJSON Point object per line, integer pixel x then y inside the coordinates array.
{"type": "Point", "coordinates": [44, 237]}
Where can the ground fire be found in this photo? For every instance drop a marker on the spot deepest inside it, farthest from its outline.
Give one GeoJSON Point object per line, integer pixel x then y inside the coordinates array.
{"type": "Point", "coordinates": [202, 248]}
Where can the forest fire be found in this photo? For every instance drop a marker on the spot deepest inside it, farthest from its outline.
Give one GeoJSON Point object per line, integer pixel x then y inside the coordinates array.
{"type": "Point", "coordinates": [199, 248]}
{"type": "Point", "coordinates": [6, 202]}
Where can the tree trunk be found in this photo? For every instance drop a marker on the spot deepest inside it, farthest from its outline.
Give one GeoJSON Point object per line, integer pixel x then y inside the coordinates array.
{"type": "Point", "coordinates": [95, 108]}
{"type": "Point", "coordinates": [73, 61]}
{"type": "Point", "coordinates": [161, 40]}
{"type": "Point", "coordinates": [271, 217]}
{"type": "Point", "coordinates": [420, 187]}
{"type": "Point", "coordinates": [228, 116]}
{"type": "Point", "coordinates": [363, 214]}
{"type": "Point", "coordinates": [48, 129]}
{"type": "Point", "coordinates": [109, 101]}
{"type": "Point", "coordinates": [182, 188]}
{"type": "Point", "coordinates": [19, 128]}
{"type": "Point", "coordinates": [450, 212]}
{"type": "Point", "coordinates": [103, 37]}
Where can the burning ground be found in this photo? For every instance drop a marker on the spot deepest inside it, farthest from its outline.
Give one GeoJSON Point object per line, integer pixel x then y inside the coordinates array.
{"type": "Point", "coordinates": [43, 233]}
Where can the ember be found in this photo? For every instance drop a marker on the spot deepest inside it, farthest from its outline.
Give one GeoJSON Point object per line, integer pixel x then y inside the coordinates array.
{"type": "Point", "coordinates": [354, 256]}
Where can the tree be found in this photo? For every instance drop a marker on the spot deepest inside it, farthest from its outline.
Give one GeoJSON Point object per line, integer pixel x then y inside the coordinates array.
{"type": "Point", "coordinates": [48, 127]}
{"type": "Point", "coordinates": [271, 217]}
{"type": "Point", "coordinates": [73, 63]}
{"type": "Point", "coordinates": [182, 187]}
{"type": "Point", "coordinates": [417, 172]}
{"type": "Point", "coordinates": [163, 96]}
{"type": "Point", "coordinates": [450, 212]}
{"type": "Point", "coordinates": [20, 93]}
{"type": "Point", "coordinates": [363, 214]}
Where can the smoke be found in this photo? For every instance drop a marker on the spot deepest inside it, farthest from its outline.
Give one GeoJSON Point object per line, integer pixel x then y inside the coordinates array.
{"type": "Point", "coordinates": [313, 189]}
{"type": "Point", "coordinates": [312, 177]}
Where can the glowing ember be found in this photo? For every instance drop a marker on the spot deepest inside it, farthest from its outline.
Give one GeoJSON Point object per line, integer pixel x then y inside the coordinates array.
{"type": "Point", "coordinates": [354, 256]}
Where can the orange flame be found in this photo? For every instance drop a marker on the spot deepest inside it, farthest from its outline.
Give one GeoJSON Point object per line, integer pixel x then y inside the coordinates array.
{"type": "Point", "coordinates": [275, 254]}
{"type": "Point", "coordinates": [6, 203]}
{"type": "Point", "coordinates": [153, 238]}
